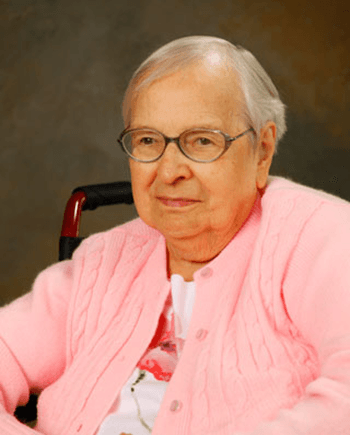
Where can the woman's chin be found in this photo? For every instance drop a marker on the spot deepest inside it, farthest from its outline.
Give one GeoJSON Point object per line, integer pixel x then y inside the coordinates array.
{"type": "Point", "coordinates": [177, 229]}
{"type": "Point", "coordinates": [176, 225]}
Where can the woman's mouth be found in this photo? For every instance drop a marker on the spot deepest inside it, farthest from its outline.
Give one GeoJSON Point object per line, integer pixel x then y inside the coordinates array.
{"type": "Point", "coordinates": [177, 202]}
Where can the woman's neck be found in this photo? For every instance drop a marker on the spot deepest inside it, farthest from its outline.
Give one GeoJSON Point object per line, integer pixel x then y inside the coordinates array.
{"type": "Point", "coordinates": [185, 257]}
{"type": "Point", "coordinates": [184, 268]}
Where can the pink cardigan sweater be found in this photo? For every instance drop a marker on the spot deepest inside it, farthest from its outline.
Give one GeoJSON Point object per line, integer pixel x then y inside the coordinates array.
{"type": "Point", "coordinates": [268, 348]}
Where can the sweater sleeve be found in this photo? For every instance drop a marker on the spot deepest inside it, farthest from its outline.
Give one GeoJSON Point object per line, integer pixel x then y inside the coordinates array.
{"type": "Point", "coordinates": [33, 341]}
{"type": "Point", "coordinates": [316, 291]}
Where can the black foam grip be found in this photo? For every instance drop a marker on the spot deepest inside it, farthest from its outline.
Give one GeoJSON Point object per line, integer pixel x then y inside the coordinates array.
{"type": "Point", "coordinates": [106, 194]}
{"type": "Point", "coordinates": [67, 246]}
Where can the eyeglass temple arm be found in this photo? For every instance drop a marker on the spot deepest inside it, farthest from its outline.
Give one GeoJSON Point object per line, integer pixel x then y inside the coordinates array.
{"type": "Point", "coordinates": [231, 139]}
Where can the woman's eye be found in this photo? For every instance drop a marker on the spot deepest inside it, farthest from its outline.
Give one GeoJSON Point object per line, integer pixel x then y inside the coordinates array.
{"type": "Point", "coordinates": [146, 141]}
{"type": "Point", "coordinates": [204, 141]}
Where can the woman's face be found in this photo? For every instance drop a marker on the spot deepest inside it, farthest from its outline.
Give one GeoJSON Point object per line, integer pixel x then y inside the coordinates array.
{"type": "Point", "coordinates": [182, 198]}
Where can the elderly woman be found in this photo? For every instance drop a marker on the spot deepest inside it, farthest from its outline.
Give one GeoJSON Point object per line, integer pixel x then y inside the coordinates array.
{"type": "Point", "coordinates": [224, 309]}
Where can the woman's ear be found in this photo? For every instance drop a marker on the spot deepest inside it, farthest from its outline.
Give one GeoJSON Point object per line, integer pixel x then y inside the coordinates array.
{"type": "Point", "coordinates": [265, 152]}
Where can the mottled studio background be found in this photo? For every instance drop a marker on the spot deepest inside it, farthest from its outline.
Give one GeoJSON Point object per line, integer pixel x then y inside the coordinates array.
{"type": "Point", "coordinates": [64, 66]}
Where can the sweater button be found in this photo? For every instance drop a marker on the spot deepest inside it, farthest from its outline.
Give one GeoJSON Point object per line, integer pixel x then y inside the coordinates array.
{"type": "Point", "coordinates": [175, 406]}
{"type": "Point", "coordinates": [206, 272]}
{"type": "Point", "coordinates": [201, 334]}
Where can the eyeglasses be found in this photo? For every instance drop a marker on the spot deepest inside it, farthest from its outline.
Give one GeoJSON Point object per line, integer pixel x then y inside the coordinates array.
{"type": "Point", "coordinates": [199, 144]}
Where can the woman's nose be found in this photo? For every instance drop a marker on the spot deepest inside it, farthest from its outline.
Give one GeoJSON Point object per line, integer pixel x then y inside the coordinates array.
{"type": "Point", "coordinates": [173, 165]}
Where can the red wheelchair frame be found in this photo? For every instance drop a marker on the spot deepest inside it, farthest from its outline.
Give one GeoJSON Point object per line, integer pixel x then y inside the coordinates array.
{"type": "Point", "coordinates": [88, 198]}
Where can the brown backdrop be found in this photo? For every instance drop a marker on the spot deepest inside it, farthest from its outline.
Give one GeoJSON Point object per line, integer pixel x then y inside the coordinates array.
{"type": "Point", "coordinates": [64, 66]}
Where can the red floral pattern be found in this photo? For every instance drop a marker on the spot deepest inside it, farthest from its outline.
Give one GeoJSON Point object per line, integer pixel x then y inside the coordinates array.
{"type": "Point", "coordinates": [161, 357]}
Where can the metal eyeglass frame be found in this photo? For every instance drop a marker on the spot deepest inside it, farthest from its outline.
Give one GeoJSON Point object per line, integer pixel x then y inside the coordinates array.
{"type": "Point", "coordinates": [228, 142]}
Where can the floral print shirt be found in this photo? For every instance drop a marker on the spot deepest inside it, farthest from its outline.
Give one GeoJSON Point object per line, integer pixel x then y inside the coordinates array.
{"type": "Point", "coordinates": [137, 406]}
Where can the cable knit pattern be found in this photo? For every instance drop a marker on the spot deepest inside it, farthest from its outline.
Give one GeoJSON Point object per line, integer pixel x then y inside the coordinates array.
{"type": "Point", "coordinates": [93, 261]}
{"type": "Point", "coordinates": [268, 347]}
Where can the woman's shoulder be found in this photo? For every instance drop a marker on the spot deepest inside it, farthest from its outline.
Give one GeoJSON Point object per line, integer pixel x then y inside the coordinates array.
{"type": "Point", "coordinates": [293, 209]}
{"type": "Point", "coordinates": [289, 196]}
{"type": "Point", "coordinates": [135, 228]}
{"type": "Point", "coordinates": [132, 234]}
{"type": "Point", "coordinates": [283, 188]}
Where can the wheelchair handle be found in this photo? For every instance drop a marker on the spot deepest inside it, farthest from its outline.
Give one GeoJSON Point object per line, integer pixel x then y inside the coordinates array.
{"type": "Point", "coordinates": [88, 198]}
{"type": "Point", "coordinates": [106, 194]}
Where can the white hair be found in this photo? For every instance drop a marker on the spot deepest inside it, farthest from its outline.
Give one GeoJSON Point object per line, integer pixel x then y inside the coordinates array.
{"type": "Point", "coordinates": [261, 99]}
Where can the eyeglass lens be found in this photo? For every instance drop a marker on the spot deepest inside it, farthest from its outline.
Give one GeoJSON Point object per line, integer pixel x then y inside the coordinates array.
{"type": "Point", "coordinates": [147, 145]}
